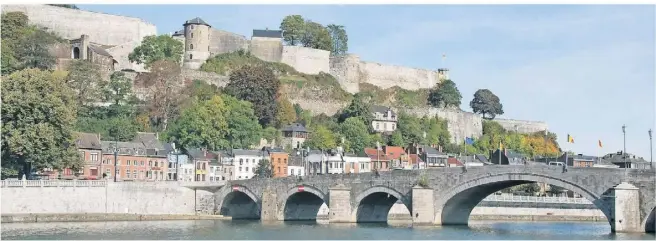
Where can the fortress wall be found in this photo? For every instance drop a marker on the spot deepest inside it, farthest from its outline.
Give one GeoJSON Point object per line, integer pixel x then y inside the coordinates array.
{"type": "Point", "coordinates": [386, 76]}
{"type": "Point", "coordinates": [306, 60]}
{"type": "Point", "coordinates": [189, 75]}
{"type": "Point", "coordinates": [267, 49]}
{"type": "Point", "coordinates": [317, 107]}
{"type": "Point", "coordinates": [522, 126]}
{"type": "Point", "coordinates": [460, 124]}
{"type": "Point", "coordinates": [71, 23]}
{"type": "Point", "coordinates": [120, 53]}
{"type": "Point", "coordinates": [225, 42]}
{"type": "Point", "coordinates": [346, 69]}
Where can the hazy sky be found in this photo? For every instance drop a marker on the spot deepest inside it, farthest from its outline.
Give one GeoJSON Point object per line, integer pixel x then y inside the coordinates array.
{"type": "Point", "coordinates": [585, 70]}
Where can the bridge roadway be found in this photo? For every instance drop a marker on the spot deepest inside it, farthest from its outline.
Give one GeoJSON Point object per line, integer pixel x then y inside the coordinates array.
{"type": "Point", "coordinates": [442, 196]}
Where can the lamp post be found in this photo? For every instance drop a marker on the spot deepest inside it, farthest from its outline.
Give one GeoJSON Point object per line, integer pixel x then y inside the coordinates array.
{"type": "Point", "coordinates": [651, 154]}
{"type": "Point", "coordinates": [624, 150]}
{"type": "Point", "coordinates": [115, 161]}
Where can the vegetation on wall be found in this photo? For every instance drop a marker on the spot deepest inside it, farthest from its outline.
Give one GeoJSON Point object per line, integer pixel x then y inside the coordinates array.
{"type": "Point", "coordinates": [300, 31]}
{"type": "Point", "coordinates": [157, 48]}
{"type": "Point", "coordinates": [395, 96]}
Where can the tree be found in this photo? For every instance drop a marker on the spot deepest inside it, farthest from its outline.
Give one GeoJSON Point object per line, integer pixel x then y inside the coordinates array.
{"type": "Point", "coordinates": [355, 134]}
{"type": "Point", "coordinates": [486, 103]}
{"type": "Point", "coordinates": [14, 25]}
{"type": "Point", "coordinates": [86, 80]}
{"type": "Point", "coordinates": [118, 89]}
{"type": "Point", "coordinates": [411, 128]}
{"type": "Point", "coordinates": [438, 132]}
{"type": "Point", "coordinates": [271, 134]}
{"type": "Point", "coordinates": [38, 114]}
{"type": "Point", "coordinates": [321, 138]}
{"type": "Point", "coordinates": [339, 39]}
{"type": "Point", "coordinates": [445, 94]}
{"type": "Point", "coordinates": [32, 51]}
{"type": "Point", "coordinates": [293, 27]}
{"type": "Point", "coordinates": [358, 107]}
{"type": "Point", "coordinates": [316, 36]}
{"type": "Point", "coordinates": [164, 91]}
{"type": "Point", "coordinates": [157, 48]}
{"type": "Point", "coordinates": [203, 125]}
{"type": "Point", "coordinates": [286, 113]}
{"type": "Point", "coordinates": [9, 62]}
{"type": "Point", "coordinates": [258, 85]}
{"type": "Point", "coordinates": [397, 139]}
{"type": "Point", "coordinates": [263, 169]}
{"type": "Point", "coordinates": [243, 128]}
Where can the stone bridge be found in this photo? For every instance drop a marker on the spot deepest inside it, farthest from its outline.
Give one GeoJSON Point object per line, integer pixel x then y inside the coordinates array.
{"type": "Point", "coordinates": [442, 196]}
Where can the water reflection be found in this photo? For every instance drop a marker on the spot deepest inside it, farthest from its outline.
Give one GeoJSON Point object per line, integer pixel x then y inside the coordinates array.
{"type": "Point", "coordinates": [254, 229]}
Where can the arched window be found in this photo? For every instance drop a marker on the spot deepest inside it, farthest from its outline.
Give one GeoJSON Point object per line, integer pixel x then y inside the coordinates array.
{"type": "Point", "coordinates": [192, 35]}
{"type": "Point", "coordinates": [192, 26]}
{"type": "Point", "coordinates": [76, 53]}
{"type": "Point", "coordinates": [191, 56]}
{"type": "Point", "coordinates": [191, 46]}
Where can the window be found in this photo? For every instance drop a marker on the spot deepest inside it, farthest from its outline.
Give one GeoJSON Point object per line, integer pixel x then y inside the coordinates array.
{"type": "Point", "coordinates": [377, 125]}
{"type": "Point", "coordinates": [170, 165]}
{"type": "Point", "coordinates": [203, 166]}
{"type": "Point", "coordinates": [208, 47]}
{"type": "Point", "coordinates": [192, 34]}
{"type": "Point", "coordinates": [161, 163]}
{"type": "Point", "coordinates": [331, 165]}
{"type": "Point", "coordinates": [94, 157]}
{"type": "Point", "coordinates": [241, 161]}
{"type": "Point", "coordinates": [128, 173]}
{"type": "Point", "coordinates": [108, 172]}
{"type": "Point", "coordinates": [191, 56]}
{"type": "Point", "coordinates": [278, 169]}
{"type": "Point", "coordinates": [246, 168]}
{"type": "Point", "coordinates": [135, 162]}
{"type": "Point", "coordinates": [150, 163]}
{"type": "Point", "coordinates": [191, 46]}
{"type": "Point", "coordinates": [393, 126]}
{"type": "Point", "coordinates": [292, 171]}
{"type": "Point", "coordinates": [142, 163]}
{"type": "Point", "coordinates": [385, 125]}
{"type": "Point", "coordinates": [192, 27]}
{"type": "Point", "coordinates": [240, 169]}
{"type": "Point", "coordinates": [279, 161]}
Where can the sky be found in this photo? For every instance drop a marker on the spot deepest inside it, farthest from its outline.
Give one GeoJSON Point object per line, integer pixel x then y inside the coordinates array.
{"type": "Point", "coordinates": [584, 69]}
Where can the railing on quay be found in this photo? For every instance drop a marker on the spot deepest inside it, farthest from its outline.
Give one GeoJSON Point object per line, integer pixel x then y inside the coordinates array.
{"type": "Point", "coordinates": [533, 199]}
{"type": "Point", "coordinates": [97, 183]}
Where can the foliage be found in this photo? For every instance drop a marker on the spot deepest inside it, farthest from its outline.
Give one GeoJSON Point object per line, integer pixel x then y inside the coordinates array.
{"type": "Point", "coordinates": [328, 87]}
{"type": "Point", "coordinates": [359, 107]}
{"type": "Point", "coordinates": [556, 189]}
{"type": "Point", "coordinates": [395, 96]}
{"type": "Point", "coordinates": [411, 128]}
{"type": "Point", "coordinates": [316, 36]}
{"type": "Point", "coordinates": [263, 169]}
{"type": "Point", "coordinates": [322, 138]}
{"type": "Point", "coordinates": [438, 131]}
{"type": "Point", "coordinates": [113, 128]}
{"type": "Point", "coordinates": [243, 128]}
{"type": "Point", "coordinates": [486, 103]}
{"type": "Point", "coordinates": [259, 86]}
{"type": "Point", "coordinates": [32, 50]}
{"type": "Point", "coordinates": [86, 80]}
{"type": "Point", "coordinates": [354, 131]}
{"type": "Point", "coordinates": [157, 48]}
{"type": "Point", "coordinates": [445, 94]}
{"type": "Point", "coordinates": [119, 88]}
{"type": "Point", "coordinates": [14, 25]}
{"type": "Point", "coordinates": [339, 39]}
{"type": "Point", "coordinates": [293, 27]}
{"type": "Point", "coordinates": [271, 134]}
{"type": "Point", "coordinates": [397, 139]}
{"type": "Point", "coordinates": [524, 189]}
{"type": "Point", "coordinates": [532, 145]}
{"type": "Point", "coordinates": [224, 64]}
{"type": "Point", "coordinates": [38, 113]}
{"type": "Point", "coordinates": [164, 95]}
{"type": "Point", "coordinates": [9, 62]}
{"type": "Point", "coordinates": [286, 114]}
{"type": "Point", "coordinates": [202, 125]}
{"type": "Point", "coordinates": [423, 181]}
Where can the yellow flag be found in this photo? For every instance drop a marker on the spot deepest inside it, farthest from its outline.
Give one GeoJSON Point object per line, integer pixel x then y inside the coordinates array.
{"type": "Point", "coordinates": [570, 139]}
{"type": "Point", "coordinates": [500, 145]}
{"type": "Point", "coordinates": [600, 145]}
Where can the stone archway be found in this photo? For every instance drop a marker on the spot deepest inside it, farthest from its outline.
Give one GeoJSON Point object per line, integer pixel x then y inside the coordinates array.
{"type": "Point", "coordinates": [374, 204]}
{"type": "Point", "coordinates": [76, 53]}
{"type": "Point", "coordinates": [650, 222]}
{"type": "Point", "coordinates": [301, 203]}
{"type": "Point", "coordinates": [456, 205]}
{"type": "Point", "coordinates": [238, 202]}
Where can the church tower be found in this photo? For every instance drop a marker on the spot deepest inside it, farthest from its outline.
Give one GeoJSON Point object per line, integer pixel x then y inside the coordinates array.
{"type": "Point", "coordinates": [197, 43]}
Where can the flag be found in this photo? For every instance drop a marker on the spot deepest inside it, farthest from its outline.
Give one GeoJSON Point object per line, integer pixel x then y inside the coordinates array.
{"type": "Point", "coordinates": [500, 145]}
{"type": "Point", "coordinates": [570, 139]}
{"type": "Point", "coordinates": [600, 145]}
{"type": "Point", "coordinates": [469, 141]}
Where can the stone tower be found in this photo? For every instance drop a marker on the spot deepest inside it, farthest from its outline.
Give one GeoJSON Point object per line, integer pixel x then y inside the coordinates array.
{"type": "Point", "coordinates": [197, 43]}
{"type": "Point", "coordinates": [442, 74]}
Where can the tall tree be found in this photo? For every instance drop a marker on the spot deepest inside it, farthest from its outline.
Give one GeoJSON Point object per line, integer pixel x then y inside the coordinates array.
{"type": "Point", "coordinates": [86, 80]}
{"type": "Point", "coordinates": [339, 39]}
{"type": "Point", "coordinates": [293, 27]}
{"type": "Point", "coordinates": [263, 169]}
{"type": "Point", "coordinates": [321, 138]}
{"type": "Point", "coordinates": [316, 36]}
{"type": "Point", "coordinates": [164, 91]}
{"type": "Point", "coordinates": [38, 114]}
{"type": "Point", "coordinates": [486, 103]}
{"type": "Point", "coordinates": [286, 113]}
{"type": "Point", "coordinates": [411, 128]}
{"type": "Point", "coordinates": [258, 85]}
{"type": "Point", "coordinates": [118, 89]}
{"type": "Point", "coordinates": [32, 51]}
{"type": "Point", "coordinates": [445, 94]}
{"type": "Point", "coordinates": [9, 62]}
{"type": "Point", "coordinates": [157, 48]}
{"type": "Point", "coordinates": [359, 107]}
{"type": "Point", "coordinates": [203, 125]}
{"type": "Point", "coordinates": [355, 134]}
{"type": "Point", "coordinates": [397, 138]}
{"type": "Point", "coordinates": [243, 127]}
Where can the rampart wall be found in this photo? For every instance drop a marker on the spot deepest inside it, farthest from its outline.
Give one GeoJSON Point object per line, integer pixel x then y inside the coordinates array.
{"type": "Point", "coordinates": [306, 60]}
{"type": "Point", "coordinates": [267, 49]}
{"type": "Point", "coordinates": [222, 42]}
{"type": "Point", "coordinates": [523, 126]}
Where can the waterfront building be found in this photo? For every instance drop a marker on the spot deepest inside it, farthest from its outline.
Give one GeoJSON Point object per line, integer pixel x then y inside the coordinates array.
{"type": "Point", "coordinates": [627, 160]}
{"type": "Point", "coordinates": [175, 158]}
{"type": "Point", "coordinates": [245, 162]}
{"type": "Point", "coordinates": [357, 163]}
{"type": "Point", "coordinates": [279, 162]}
{"type": "Point", "coordinates": [201, 159]}
{"type": "Point", "coordinates": [131, 160]}
{"type": "Point", "coordinates": [294, 135]}
{"type": "Point", "coordinates": [296, 166]}
{"type": "Point", "coordinates": [316, 161]}
{"type": "Point", "coordinates": [507, 157]}
{"type": "Point", "coordinates": [90, 150]}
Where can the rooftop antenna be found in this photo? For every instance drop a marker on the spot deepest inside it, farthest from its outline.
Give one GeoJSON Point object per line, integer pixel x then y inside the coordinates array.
{"type": "Point", "coordinates": [443, 60]}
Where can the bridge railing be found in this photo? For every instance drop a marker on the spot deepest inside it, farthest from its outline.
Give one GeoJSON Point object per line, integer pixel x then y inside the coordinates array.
{"type": "Point", "coordinates": [98, 183]}
{"type": "Point", "coordinates": [533, 199]}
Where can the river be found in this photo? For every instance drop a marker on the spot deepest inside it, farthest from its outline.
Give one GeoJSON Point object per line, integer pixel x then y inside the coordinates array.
{"type": "Point", "coordinates": [226, 229]}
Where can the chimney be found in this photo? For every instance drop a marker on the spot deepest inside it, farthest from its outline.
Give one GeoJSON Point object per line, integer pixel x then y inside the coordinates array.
{"type": "Point", "coordinates": [157, 136]}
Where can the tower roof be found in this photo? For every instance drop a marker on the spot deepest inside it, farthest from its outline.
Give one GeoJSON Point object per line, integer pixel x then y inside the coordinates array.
{"type": "Point", "coordinates": [267, 33]}
{"type": "Point", "coordinates": [196, 20]}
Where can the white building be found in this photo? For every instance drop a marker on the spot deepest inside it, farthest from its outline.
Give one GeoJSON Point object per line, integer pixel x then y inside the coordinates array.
{"type": "Point", "coordinates": [335, 163]}
{"type": "Point", "coordinates": [296, 166]}
{"type": "Point", "coordinates": [294, 135]}
{"type": "Point", "coordinates": [244, 163]}
{"type": "Point", "coordinates": [187, 172]}
{"type": "Point", "coordinates": [384, 119]}
{"type": "Point", "coordinates": [354, 163]}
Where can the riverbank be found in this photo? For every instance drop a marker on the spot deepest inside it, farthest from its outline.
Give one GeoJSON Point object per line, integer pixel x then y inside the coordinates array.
{"type": "Point", "coordinates": [97, 217]}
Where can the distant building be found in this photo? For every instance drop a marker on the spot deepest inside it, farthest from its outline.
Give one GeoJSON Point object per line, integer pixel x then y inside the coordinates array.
{"type": "Point", "coordinates": [357, 163]}
{"type": "Point", "coordinates": [434, 158]}
{"type": "Point", "coordinates": [82, 49]}
{"type": "Point", "coordinates": [384, 120]}
{"type": "Point", "coordinates": [131, 163]}
{"type": "Point", "coordinates": [156, 153]}
{"type": "Point", "coordinates": [175, 159]}
{"type": "Point", "coordinates": [627, 160]}
{"type": "Point", "coordinates": [279, 162]}
{"type": "Point", "coordinates": [201, 159]}
{"type": "Point", "coordinates": [294, 135]}
{"type": "Point", "coordinates": [508, 157]}
{"type": "Point", "coordinates": [295, 165]}
{"type": "Point", "coordinates": [90, 151]}
{"type": "Point", "coordinates": [317, 162]}
{"type": "Point", "coordinates": [245, 163]}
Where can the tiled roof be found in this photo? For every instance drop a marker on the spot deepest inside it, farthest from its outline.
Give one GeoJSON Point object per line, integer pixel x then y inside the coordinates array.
{"type": "Point", "coordinates": [179, 33]}
{"type": "Point", "coordinates": [241, 152]}
{"type": "Point", "coordinates": [88, 141]}
{"type": "Point", "coordinates": [376, 155]}
{"type": "Point", "coordinates": [453, 160]}
{"type": "Point", "coordinates": [267, 33]}
{"type": "Point", "coordinates": [196, 20]}
{"type": "Point", "coordinates": [394, 152]}
{"type": "Point", "coordinates": [297, 127]}
{"type": "Point", "coordinates": [199, 154]}
{"type": "Point", "coordinates": [99, 50]}
{"type": "Point", "coordinates": [125, 148]}
{"type": "Point", "coordinates": [149, 139]}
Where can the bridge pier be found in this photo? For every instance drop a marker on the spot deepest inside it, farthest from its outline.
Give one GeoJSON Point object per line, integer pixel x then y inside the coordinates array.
{"type": "Point", "coordinates": [340, 205]}
{"type": "Point", "coordinates": [423, 208]}
{"type": "Point", "coordinates": [270, 208]}
{"type": "Point", "coordinates": [626, 209]}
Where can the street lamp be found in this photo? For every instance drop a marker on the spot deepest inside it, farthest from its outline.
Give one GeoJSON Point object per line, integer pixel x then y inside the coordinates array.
{"type": "Point", "coordinates": [651, 154]}
{"type": "Point", "coordinates": [115, 160]}
{"type": "Point", "coordinates": [624, 151]}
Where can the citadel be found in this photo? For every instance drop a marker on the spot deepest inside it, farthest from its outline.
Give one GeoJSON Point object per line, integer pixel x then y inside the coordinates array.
{"type": "Point", "coordinates": [108, 40]}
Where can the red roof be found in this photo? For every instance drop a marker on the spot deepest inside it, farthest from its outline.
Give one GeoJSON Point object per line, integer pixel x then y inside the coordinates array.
{"type": "Point", "coordinates": [394, 152]}
{"type": "Point", "coordinates": [375, 155]}
{"type": "Point", "coordinates": [452, 161]}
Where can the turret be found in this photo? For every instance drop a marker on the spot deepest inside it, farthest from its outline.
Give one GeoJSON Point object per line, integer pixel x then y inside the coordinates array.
{"type": "Point", "coordinates": [197, 43]}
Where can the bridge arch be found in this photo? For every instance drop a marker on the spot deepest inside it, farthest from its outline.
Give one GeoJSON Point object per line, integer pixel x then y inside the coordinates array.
{"type": "Point", "coordinates": [238, 202]}
{"type": "Point", "coordinates": [374, 204]}
{"type": "Point", "coordinates": [301, 202]}
{"type": "Point", "coordinates": [455, 206]}
{"type": "Point", "coordinates": [650, 221]}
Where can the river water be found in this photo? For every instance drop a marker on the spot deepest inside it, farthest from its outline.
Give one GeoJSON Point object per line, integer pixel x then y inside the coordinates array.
{"type": "Point", "coordinates": [226, 229]}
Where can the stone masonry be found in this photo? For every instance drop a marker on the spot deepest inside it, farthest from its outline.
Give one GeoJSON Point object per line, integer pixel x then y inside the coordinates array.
{"type": "Point", "coordinates": [449, 194]}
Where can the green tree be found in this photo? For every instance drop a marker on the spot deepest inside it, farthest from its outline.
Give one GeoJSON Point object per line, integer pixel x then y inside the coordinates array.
{"type": "Point", "coordinates": [9, 62]}
{"type": "Point", "coordinates": [14, 26]}
{"type": "Point", "coordinates": [32, 51]}
{"type": "Point", "coordinates": [156, 48]}
{"type": "Point", "coordinates": [243, 127]}
{"type": "Point", "coordinates": [298, 110]}
{"type": "Point", "coordinates": [271, 134]}
{"type": "Point", "coordinates": [258, 85]}
{"type": "Point", "coordinates": [359, 107]}
{"type": "Point", "coordinates": [411, 128]}
{"type": "Point", "coordinates": [293, 27]}
{"type": "Point", "coordinates": [119, 88]}
{"type": "Point", "coordinates": [38, 114]}
{"type": "Point", "coordinates": [321, 138]}
{"type": "Point", "coordinates": [438, 132]}
{"type": "Point", "coordinates": [316, 36]}
{"type": "Point", "coordinates": [397, 139]}
{"type": "Point", "coordinates": [355, 134]}
{"type": "Point", "coordinates": [445, 94]}
{"type": "Point", "coordinates": [86, 80]}
{"type": "Point", "coordinates": [486, 103]}
{"type": "Point", "coordinates": [339, 38]}
{"type": "Point", "coordinates": [164, 91]}
{"type": "Point", "coordinates": [286, 113]}
{"type": "Point", "coordinates": [263, 169]}
{"type": "Point", "coordinates": [203, 125]}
